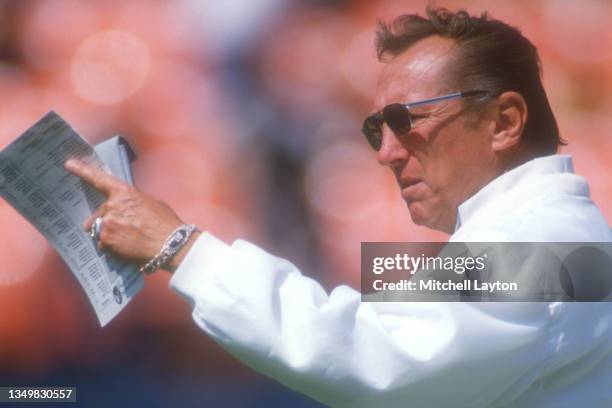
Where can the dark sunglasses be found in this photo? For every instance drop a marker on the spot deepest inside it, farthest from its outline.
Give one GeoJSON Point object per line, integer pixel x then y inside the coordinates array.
{"type": "Point", "coordinates": [397, 116]}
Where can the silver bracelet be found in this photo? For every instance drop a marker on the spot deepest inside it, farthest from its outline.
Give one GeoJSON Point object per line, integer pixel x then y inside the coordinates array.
{"type": "Point", "coordinates": [171, 247]}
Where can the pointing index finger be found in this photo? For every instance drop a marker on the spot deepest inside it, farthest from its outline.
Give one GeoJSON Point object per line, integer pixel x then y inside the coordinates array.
{"type": "Point", "coordinates": [97, 178]}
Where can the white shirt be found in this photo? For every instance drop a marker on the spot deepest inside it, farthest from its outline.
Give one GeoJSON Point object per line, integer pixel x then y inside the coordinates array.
{"type": "Point", "coordinates": [346, 353]}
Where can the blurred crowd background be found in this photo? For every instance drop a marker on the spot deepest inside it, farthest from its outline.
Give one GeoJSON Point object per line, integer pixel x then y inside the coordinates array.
{"type": "Point", "coordinates": [245, 115]}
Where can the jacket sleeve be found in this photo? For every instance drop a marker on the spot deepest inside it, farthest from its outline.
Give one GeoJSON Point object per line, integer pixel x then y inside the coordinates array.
{"type": "Point", "coordinates": [344, 352]}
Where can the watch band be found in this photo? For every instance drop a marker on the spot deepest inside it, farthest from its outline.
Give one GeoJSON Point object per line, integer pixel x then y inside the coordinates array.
{"type": "Point", "coordinates": [175, 241]}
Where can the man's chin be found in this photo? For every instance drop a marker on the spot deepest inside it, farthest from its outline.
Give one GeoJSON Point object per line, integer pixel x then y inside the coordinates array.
{"type": "Point", "coordinates": [424, 216]}
{"type": "Point", "coordinates": [419, 214]}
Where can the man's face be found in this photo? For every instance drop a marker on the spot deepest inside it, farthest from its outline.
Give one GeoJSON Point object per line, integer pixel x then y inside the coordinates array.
{"type": "Point", "coordinates": [446, 156]}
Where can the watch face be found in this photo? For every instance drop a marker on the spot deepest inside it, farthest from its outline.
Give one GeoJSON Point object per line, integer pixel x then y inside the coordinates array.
{"type": "Point", "coordinates": [177, 239]}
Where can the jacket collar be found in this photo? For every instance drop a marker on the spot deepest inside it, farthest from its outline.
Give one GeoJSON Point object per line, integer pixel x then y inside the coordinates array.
{"type": "Point", "coordinates": [524, 181]}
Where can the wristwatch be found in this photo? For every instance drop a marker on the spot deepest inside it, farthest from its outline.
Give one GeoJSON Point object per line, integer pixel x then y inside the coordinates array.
{"type": "Point", "coordinates": [173, 244]}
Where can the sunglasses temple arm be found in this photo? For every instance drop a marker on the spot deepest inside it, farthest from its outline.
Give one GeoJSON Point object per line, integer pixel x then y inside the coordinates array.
{"type": "Point", "coordinates": [444, 98]}
{"type": "Point", "coordinates": [436, 99]}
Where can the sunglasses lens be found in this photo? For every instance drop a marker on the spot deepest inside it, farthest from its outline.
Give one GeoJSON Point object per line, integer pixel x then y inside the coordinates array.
{"type": "Point", "coordinates": [372, 131]}
{"type": "Point", "coordinates": [397, 117]}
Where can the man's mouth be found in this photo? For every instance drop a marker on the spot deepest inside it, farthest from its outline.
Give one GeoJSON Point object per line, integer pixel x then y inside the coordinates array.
{"type": "Point", "coordinates": [410, 188]}
{"type": "Point", "coordinates": [409, 182]}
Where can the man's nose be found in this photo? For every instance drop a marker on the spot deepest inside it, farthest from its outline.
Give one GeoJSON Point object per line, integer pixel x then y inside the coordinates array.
{"type": "Point", "coordinates": [391, 150]}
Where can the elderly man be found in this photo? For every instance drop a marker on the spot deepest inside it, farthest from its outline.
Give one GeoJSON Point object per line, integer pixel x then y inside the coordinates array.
{"type": "Point", "coordinates": [462, 120]}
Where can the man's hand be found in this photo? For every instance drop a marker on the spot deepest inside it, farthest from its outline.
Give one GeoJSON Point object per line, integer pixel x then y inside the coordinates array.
{"type": "Point", "coordinates": [134, 225]}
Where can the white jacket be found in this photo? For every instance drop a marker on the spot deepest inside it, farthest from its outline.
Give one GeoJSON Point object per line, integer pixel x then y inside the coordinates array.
{"type": "Point", "coordinates": [346, 353]}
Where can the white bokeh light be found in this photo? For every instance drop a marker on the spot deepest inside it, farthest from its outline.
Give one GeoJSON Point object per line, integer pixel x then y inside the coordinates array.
{"type": "Point", "coordinates": [109, 67]}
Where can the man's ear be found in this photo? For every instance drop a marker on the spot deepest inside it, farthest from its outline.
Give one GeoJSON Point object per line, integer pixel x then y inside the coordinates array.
{"type": "Point", "coordinates": [509, 117]}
